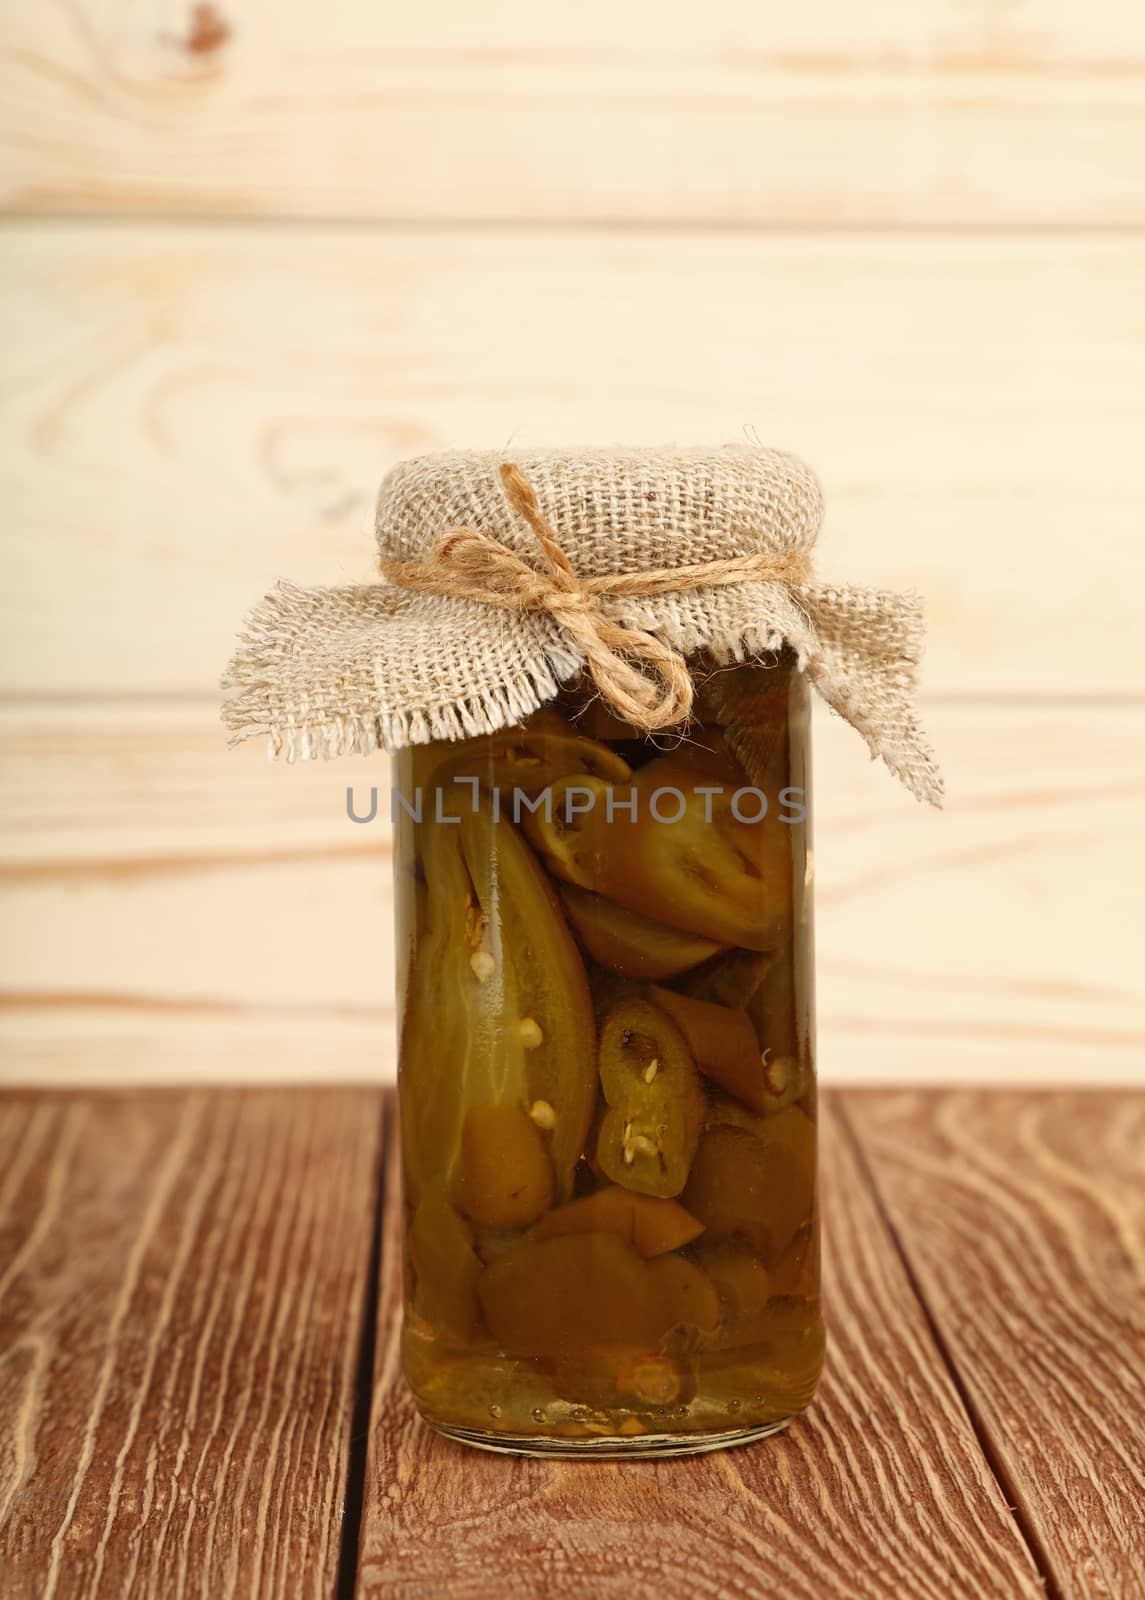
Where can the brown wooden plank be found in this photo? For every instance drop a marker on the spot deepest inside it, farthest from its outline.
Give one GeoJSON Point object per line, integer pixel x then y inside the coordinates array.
{"type": "Point", "coordinates": [732, 111]}
{"type": "Point", "coordinates": [881, 1490]}
{"type": "Point", "coordinates": [181, 1282]}
{"type": "Point", "coordinates": [276, 949]}
{"type": "Point", "coordinates": [1023, 1219]}
{"type": "Point", "coordinates": [192, 412]}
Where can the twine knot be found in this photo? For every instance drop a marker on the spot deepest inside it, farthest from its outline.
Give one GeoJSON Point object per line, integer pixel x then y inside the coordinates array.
{"type": "Point", "coordinates": [643, 679]}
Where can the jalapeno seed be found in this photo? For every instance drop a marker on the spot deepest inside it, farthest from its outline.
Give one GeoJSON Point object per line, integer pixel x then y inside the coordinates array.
{"type": "Point", "coordinates": [543, 1115]}
{"type": "Point", "coordinates": [483, 965]}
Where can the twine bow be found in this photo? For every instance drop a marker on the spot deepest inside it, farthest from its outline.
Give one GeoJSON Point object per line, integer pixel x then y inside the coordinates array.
{"type": "Point", "coordinates": [646, 681]}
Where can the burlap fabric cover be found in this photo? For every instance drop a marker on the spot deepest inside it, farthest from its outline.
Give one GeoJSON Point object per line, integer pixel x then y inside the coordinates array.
{"type": "Point", "coordinates": [334, 671]}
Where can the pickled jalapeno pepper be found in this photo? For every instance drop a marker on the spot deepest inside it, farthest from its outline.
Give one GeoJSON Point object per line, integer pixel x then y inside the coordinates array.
{"type": "Point", "coordinates": [547, 1036]}
{"type": "Point", "coordinates": [754, 1178]}
{"type": "Point", "coordinates": [722, 1041]}
{"type": "Point", "coordinates": [504, 1178]}
{"type": "Point", "coordinates": [674, 846]}
{"type": "Point", "coordinates": [632, 946]}
{"type": "Point", "coordinates": [654, 1226]}
{"type": "Point", "coordinates": [501, 1002]}
{"type": "Point", "coordinates": [650, 1130]}
{"type": "Point", "coordinates": [530, 759]}
{"type": "Point", "coordinates": [445, 1266]}
{"type": "Point", "coordinates": [556, 1299]}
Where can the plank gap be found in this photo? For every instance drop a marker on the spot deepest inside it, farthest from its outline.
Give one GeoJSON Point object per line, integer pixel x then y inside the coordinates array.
{"type": "Point", "coordinates": [1026, 1529]}
{"type": "Point", "coordinates": [398, 222]}
{"type": "Point", "coordinates": [358, 1444]}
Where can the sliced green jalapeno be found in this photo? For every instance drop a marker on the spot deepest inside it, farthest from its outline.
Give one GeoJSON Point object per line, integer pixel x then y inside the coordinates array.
{"type": "Point", "coordinates": [750, 705]}
{"type": "Point", "coordinates": [675, 848]}
{"type": "Point", "coordinates": [722, 1041]}
{"type": "Point", "coordinates": [628, 944]}
{"type": "Point", "coordinates": [753, 1178]}
{"type": "Point", "coordinates": [445, 1266]}
{"type": "Point", "coordinates": [568, 1298]}
{"type": "Point", "coordinates": [500, 1010]}
{"type": "Point", "coordinates": [654, 1226]}
{"type": "Point", "coordinates": [529, 758]}
{"type": "Point", "coordinates": [649, 1133]}
{"type": "Point", "coordinates": [730, 978]}
{"type": "Point", "coordinates": [547, 1028]}
{"type": "Point", "coordinates": [504, 1177]}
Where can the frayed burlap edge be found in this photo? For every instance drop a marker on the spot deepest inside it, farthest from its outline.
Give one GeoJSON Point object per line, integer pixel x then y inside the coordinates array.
{"type": "Point", "coordinates": [476, 626]}
{"type": "Point", "coordinates": [312, 667]}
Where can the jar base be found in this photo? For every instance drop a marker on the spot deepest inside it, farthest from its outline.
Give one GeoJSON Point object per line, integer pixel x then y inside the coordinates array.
{"type": "Point", "coordinates": [611, 1446]}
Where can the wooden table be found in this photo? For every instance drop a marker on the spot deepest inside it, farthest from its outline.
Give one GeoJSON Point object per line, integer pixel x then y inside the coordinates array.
{"type": "Point", "coordinates": [200, 1389]}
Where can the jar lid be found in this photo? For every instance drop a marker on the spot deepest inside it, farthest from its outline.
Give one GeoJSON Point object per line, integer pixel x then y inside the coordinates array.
{"type": "Point", "coordinates": [501, 581]}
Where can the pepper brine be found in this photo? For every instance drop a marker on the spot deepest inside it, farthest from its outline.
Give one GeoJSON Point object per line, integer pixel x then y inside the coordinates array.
{"type": "Point", "coordinates": [606, 1077]}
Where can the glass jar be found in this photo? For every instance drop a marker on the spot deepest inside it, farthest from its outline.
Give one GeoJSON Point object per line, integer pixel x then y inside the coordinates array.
{"type": "Point", "coordinates": [606, 1079]}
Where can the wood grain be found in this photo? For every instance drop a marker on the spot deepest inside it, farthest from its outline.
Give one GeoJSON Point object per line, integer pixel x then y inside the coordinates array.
{"type": "Point", "coordinates": [172, 910]}
{"type": "Point", "coordinates": [181, 1293]}
{"type": "Point", "coordinates": [730, 112]}
{"type": "Point", "coordinates": [191, 412]}
{"type": "Point", "coordinates": [1023, 1219]}
{"type": "Point", "coordinates": [880, 1490]}
{"type": "Point", "coordinates": [181, 1301]}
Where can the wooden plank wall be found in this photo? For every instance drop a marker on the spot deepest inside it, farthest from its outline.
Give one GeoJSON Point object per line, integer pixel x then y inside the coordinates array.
{"type": "Point", "coordinates": [915, 111]}
{"type": "Point", "coordinates": [252, 257]}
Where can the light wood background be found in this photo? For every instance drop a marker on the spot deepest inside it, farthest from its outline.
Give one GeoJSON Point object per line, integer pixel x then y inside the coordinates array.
{"type": "Point", "coordinates": [253, 254]}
